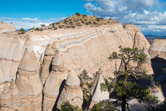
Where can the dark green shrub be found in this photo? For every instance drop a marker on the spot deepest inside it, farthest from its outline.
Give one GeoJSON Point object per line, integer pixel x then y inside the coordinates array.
{"type": "Point", "coordinates": [22, 31]}
{"type": "Point", "coordinates": [42, 25]}
{"type": "Point", "coordinates": [66, 106]}
{"type": "Point", "coordinates": [103, 106]}
{"type": "Point", "coordinates": [161, 107]}
{"type": "Point", "coordinates": [37, 29]}
{"type": "Point", "coordinates": [84, 15]}
{"type": "Point", "coordinates": [78, 14]}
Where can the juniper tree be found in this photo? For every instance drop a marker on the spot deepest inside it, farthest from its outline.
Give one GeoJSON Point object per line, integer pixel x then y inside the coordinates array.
{"type": "Point", "coordinates": [66, 106]}
{"type": "Point", "coordinates": [87, 84]}
{"type": "Point", "coordinates": [105, 105]}
{"type": "Point", "coordinates": [22, 31]}
{"type": "Point", "coordinates": [125, 85]}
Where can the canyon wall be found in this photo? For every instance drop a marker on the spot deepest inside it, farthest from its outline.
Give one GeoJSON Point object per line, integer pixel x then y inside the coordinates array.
{"type": "Point", "coordinates": [89, 47]}
{"type": "Point", "coordinates": [25, 60]}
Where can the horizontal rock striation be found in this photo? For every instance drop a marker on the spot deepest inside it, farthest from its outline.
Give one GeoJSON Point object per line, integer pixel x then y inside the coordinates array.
{"type": "Point", "coordinates": [54, 83]}
{"type": "Point", "coordinates": [71, 92]}
{"type": "Point", "coordinates": [78, 48]}
{"type": "Point", "coordinates": [28, 82]}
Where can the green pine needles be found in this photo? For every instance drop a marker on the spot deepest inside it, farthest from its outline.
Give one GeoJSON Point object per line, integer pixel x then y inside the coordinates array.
{"type": "Point", "coordinates": [125, 86]}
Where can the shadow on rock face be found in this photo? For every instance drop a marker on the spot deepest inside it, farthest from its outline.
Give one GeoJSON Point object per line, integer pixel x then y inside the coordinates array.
{"type": "Point", "coordinates": [158, 64]}
{"type": "Point", "coordinates": [159, 75]}
{"type": "Point", "coordinates": [60, 91]}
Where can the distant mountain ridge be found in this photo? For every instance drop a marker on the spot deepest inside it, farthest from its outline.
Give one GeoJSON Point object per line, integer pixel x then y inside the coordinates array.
{"type": "Point", "coordinates": [155, 37]}
{"type": "Point", "coordinates": [150, 38]}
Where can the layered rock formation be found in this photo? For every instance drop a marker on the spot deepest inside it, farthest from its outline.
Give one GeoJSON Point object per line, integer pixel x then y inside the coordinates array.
{"type": "Point", "coordinates": [72, 92]}
{"type": "Point", "coordinates": [28, 82]}
{"type": "Point", "coordinates": [79, 48]}
{"type": "Point", "coordinates": [5, 98]}
{"type": "Point", "coordinates": [54, 83]}
{"type": "Point", "coordinates": [97, 94]}
{"type": "Point", "coordinates": [46, 66]}
{"type": "Point", "coordinates": [10, 99]}
{"type": "Point", "coordinates": [90, 49]}
{"type": "Point", "coordinates": [15, 97]}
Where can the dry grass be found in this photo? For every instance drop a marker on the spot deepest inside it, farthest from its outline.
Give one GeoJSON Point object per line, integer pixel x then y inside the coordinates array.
{"type": "Point", "coordinates": [79, 20]}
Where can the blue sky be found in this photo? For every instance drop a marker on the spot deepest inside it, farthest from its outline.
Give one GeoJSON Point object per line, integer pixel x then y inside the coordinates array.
{"type": "Point", "coordinates": [149, 15]}
{"type": "Point", "coordinates": [42, 9]}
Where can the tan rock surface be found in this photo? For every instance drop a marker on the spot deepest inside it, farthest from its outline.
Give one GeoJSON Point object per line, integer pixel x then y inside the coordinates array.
{"type": "Point", "coordinates": [15, 97]}
{"type": "Point", "coordinates": [82, 48]}
{"type": "Point", "coordinates": [5, 98]}
{"type": "Point", "coordinates": [158, 48]}
{"type": "Point", "coordinates": [6, 27]}
{"type": "Point", "coordinates": [54, 82]}
{"type": "Point", "coordinates": [28, 82]}
{"type": "Point", "coordinates": [90, 49]}
{"type": "Point", "coordinates": [46, 65]}
{"type": "Point", "coordinates": [98, 94]}
{"type": "Point", "coordinates": [71, 92]}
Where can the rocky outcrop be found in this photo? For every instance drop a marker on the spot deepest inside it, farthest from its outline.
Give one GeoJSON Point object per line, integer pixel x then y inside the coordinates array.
{"type": "Point", "coordinates": [10, 99]}
{"type": "Point", "coordinates": [89, 49]}
{"type": "Point", "coordinates": [79, 48]}
{"type": "Point", "coordinates": [72, 91]}
{"type": "Point", "coordinates": [97, 94]}
{"type": "Point", "coordinates": [15, 97]}
{"type": "Point", "coordinates": [6, 27]}
{"type": "Point", "coordinates": [54, 83]}
{"type": "Point", "coordinates": [28, 82]}
{"type": "Point", "coordinates": [140, 42]}
{"type": "Point", "coordinates": [11, 52]}
{"type": "Point", "coordinates": [5, 98]}
{"type": "Point", "coordinates": [46, 66]}
{"type": "Point", "coordinates": [158, 48]}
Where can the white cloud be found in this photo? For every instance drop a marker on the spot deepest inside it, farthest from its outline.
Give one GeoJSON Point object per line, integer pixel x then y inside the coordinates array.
{"type": "Point", "coordinates": [28, 23]}
{"type": "Point", "coordinates": [31, 19]}
{"type": "Point", "coordinates": [139, 12]}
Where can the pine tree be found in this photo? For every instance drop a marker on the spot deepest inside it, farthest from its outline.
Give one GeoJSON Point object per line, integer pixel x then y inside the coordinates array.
{"type": "Point", "coordinates": [22, 31]}
{"type": "Point", "coordinates": [126, 83]}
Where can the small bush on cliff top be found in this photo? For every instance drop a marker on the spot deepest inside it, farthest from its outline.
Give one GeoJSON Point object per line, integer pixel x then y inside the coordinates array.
{"type": "Point", "coordinates": [22, 31]}
{"type": "Point", "coordinates": [78, 14]}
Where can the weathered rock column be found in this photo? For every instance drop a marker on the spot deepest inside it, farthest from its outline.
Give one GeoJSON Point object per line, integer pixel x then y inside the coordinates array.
{"type": "Point", "coordinates": [54, 82]}
{"type": "Point", "coordinates": [28, 82]}
{"type": "Point", "coordinates": [98, 94]}
{"type": "Point", "coordinates": [49, 53]}
{"type": "Point", "coordinates": [72, 91]}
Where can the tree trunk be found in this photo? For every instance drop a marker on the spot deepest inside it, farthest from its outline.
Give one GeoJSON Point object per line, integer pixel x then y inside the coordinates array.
{"type": "Point", "coordinates": [123, 105]}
